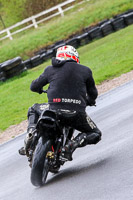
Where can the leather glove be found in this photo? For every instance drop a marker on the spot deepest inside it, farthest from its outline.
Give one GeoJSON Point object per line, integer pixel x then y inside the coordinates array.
{"type": "Point", "coordinates": [90, 102]}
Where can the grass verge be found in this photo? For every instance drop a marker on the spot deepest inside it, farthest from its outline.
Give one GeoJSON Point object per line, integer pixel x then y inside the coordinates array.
{"type": "Point", "coordinates": [108, 57]}
{"type": "Point", "coordinates": [82, 16]}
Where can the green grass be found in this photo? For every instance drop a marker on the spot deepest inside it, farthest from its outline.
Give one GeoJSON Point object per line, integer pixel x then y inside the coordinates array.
{"type": "Point", "coordinates": [32, 40]}
{"type": "Point", "coordinates": [16, 10]}
{"type": "Point", "coordinates": [11, 12]}
{"type": "Point", "coordinates": [108, 57]}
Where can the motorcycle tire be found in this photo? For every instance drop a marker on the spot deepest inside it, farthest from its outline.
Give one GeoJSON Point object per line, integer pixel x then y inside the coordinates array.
{"type": "Point", "coordinates": [40, 167]}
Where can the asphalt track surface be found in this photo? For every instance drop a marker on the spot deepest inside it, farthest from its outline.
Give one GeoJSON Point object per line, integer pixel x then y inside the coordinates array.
{"type": "Point", "coordinates": [98, 172]}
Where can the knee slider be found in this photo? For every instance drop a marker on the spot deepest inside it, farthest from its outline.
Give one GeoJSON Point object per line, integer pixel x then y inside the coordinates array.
{"type": "Point", "coordinates": [93, 138]}
{"type": "Point", "coordinates": [97, 137]}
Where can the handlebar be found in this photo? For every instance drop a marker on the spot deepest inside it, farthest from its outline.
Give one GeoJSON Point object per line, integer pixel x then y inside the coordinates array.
{"type": "Point", "coordinates": [44, 91]}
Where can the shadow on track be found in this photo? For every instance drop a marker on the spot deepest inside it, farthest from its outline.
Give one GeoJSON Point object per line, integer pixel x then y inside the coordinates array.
{"type": "Point", "coordinates": [75, 171]}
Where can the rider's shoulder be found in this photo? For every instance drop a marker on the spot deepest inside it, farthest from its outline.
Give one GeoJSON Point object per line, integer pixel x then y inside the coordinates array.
{"type": "Point", "coordinates": [85, 68]}
{"type": "Point", "coordinates": [47, 68]}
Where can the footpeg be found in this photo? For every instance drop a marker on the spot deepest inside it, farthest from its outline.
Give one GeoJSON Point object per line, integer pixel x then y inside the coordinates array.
{"type": "Point", "coordinates": [63, 159]}
{"type": "Point", "coordinates": [65, 156]}
{"type": "Point", "coordinates": [22, 151]}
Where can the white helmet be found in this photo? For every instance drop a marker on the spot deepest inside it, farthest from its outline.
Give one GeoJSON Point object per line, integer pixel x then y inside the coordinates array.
{"type": "Point", "coordinates": [67, 53]}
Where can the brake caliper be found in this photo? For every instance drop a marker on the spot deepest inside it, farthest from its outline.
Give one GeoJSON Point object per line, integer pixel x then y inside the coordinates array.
{"type": "Point", "coordinates": [50, 155]}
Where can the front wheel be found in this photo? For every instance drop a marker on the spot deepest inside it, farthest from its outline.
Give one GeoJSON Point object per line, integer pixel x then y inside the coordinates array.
{"type": "Point", "coordinates": [40, 166]}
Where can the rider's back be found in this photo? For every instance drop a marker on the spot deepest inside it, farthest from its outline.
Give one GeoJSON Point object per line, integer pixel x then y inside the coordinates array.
{"type": "Point", "coordinates": [68, 85]}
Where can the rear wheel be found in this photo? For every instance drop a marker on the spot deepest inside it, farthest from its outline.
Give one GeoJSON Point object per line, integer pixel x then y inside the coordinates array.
{"type": "Point", "coordinates": [40, 166]}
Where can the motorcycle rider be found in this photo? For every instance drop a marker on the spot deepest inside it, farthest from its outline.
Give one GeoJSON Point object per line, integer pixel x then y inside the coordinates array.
{"type": "Point", "coordinates": [71, 89]}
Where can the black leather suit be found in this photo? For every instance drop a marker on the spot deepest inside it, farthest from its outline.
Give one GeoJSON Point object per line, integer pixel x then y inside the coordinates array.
{"type": "Point", "coordinates": [69, 86]}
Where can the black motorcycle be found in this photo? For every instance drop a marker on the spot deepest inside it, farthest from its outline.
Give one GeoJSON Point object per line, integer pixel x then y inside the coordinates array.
{"type": "Point", "coordinates": [52, 136]}
{"type": "Point", "coordinates": [48, 143]}
{"type": "Point", "coordinates": [47, 156]}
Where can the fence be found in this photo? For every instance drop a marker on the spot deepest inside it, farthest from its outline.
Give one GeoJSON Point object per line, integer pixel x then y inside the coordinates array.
{"type": "Point", "coordinates": [33, 19]}
{"type": "Point", "coordinates": [15, 66]}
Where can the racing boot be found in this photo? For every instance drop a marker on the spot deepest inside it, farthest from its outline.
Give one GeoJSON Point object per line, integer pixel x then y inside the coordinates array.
{"type": "Point", "coordinates": [27, 142]}
{"type": "Point", "coordinates": [81, 140]}
{"type": "Point", "coordinates": [69, 148]}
